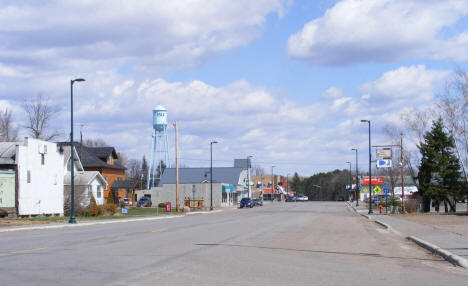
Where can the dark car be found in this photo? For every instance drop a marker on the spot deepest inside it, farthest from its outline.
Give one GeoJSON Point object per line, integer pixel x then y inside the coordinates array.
{"type": "Point", "coordinates": [144, 202]}
{"type": "Point", "coordinates": [291, 199]}
{"type": "Point", "coordinates": [246, 202]}
{"type": "Point", "coordinates": [257, 202]}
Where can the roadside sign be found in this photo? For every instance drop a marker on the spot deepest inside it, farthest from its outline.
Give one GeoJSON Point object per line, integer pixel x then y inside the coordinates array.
{"type": "Point", "coordinates": [385, 153]}
{"type": "Point", "coordinates": [124, 211]}
{"type": "Point", "coordinates": [375, 181]}
{"type": "Point", "coordinates": [377, 189]}
{"type": "Point", "coordinates": [384, 163]}
{"type": "Point", "coordinates": [386, 186]}
{"type": "Point", "coordinates": [386, 191]}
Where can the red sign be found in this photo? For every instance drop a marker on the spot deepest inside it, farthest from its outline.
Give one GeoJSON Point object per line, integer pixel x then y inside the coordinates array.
{"type": "Point", "coordinates": [375, 181]}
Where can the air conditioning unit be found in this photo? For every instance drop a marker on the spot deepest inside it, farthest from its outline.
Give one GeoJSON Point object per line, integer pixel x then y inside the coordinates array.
{"type": "Point", "coordinates": [42, 149]}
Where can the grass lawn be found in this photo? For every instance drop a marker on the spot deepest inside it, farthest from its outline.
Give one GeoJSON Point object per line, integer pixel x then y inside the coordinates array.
{"type": "Point", "coordinates": [132, 212]}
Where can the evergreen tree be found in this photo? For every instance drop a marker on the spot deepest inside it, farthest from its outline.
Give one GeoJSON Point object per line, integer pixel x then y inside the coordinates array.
{"type": "Point", "coordinates": [439, 171]}
{"type": "Point", "coordinates": [296, 184]}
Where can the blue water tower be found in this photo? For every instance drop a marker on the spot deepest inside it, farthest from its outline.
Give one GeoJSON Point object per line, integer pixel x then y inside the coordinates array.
{"type": "Point", "coordinates": [159, 146]}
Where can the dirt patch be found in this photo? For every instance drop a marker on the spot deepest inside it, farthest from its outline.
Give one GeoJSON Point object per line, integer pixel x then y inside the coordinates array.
{"type": "Point", "coordinates": [454, 223]}
{"type": "Point", "coordinates": [14, 222]}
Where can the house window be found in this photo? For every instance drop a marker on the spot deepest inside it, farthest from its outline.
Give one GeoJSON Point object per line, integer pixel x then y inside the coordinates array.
{"type": "Point", "coordinates": [42, 159]}
{"type": "Point", "coordinates": [98, 195]}
{"type": "Point", "coordinates": [90, 190]}
{"type": "Point", "coordinates": [107, 180]}
{"type": "Point", "coordinates": [28, 176]}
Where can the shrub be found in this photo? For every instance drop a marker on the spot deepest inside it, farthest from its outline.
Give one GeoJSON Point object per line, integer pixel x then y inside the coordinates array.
{"type": "Point", "coordinates": [411, 205]}
{"type": "Point", "coordinates": [162, 205]}
{"type": "Point", "coordinates": [111, 209]}
{"type": "Point", "coordinates": [93, 209]}
{"type": "Point", "coordinates": [100, 210]}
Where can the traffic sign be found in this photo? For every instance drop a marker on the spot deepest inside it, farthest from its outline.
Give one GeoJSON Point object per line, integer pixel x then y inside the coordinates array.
{"type": "Point", "coordinates": [384, 163]}
{"type": "Point", "coordinates": [385, 153]}
{"type": "Point", "coordinates": [377, 189]}
{"type": "Point", "coordinates": [386, 186]}
{"type": "Point", "coordinates": [386, 191]}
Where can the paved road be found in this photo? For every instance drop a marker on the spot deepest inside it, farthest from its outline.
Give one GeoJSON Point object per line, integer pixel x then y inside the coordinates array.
{"type": "Point", "coordinates": [310, 243]}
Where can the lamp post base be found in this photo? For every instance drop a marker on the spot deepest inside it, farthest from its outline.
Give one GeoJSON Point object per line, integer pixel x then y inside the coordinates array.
{"type": "Point", "coordinates": [72, 220]}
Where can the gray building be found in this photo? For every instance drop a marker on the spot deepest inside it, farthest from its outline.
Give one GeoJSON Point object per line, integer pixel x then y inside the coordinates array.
{"type": "Point", "coordinates": [194, 183]}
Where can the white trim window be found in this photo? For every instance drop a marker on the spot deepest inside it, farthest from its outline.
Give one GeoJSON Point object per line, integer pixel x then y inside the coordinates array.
{"type": "Point", "coordinates": [98, 193]}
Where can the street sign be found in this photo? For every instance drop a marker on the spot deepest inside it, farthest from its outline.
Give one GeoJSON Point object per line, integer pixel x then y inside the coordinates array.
{"type": "Point", "coordinates": [386, 186]}
{"type": "Point", "coordinates": [385, 153]}
{"type": "Point", "coordinates": [377, 189]}
{"type": "Point", "coordinates": [386, 191]}
{"type": "Point", "coordinates": [124, 211]}
{"type": "Point", "coordinates": [384, 163]}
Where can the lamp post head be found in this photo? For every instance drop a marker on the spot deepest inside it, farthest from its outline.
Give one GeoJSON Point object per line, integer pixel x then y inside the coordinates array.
{"type": "Point", "coordinates": [354, 149]}
{"type": "Point", "coordinates": [213, 142]}
{"type": "Point", "coordinates": [364, 120]}
{"type": "Point", "coordinates": [77, 79]}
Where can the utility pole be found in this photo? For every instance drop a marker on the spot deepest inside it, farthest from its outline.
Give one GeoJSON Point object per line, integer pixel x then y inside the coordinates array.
{"type": "Point", "coordinates": [402, 175]}
{"type": "Point", "coordinates": [357, 177]}
{"type": "Point", "coordinates": [248, 176]}
{"type": "Point", "coordinates": [272, 184]}
{"type": "Point", "coordinates": [350, 176]}
{"type": "Point", "coordinates": [177, 169]}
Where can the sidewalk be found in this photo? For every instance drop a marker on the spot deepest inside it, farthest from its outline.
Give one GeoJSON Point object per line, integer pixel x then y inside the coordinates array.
{"type": "Point", "coordinates": [443, 242]}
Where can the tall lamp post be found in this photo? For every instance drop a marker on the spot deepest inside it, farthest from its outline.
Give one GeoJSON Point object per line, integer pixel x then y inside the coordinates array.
{"type": "Point", "coordinates": [350, 176]}
{"type": "Point", "coordinates": [370, 170]}
{"type": "Point", "coordinates": [287, 184]}
{"type": "Point", "coordinates": [272, 184]}
{"type": "Point", "coordinates": [248, 176]}
{"type": "Point", "coordinates": [72, 159]}
{"type": "Point", "coordinates": [357, 177]}
{"type": "Point", "coordinates": [211, 174]}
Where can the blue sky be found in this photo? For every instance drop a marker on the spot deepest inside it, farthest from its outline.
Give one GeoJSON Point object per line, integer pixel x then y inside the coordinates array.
{"type": "Point", "coordinates": [284, 81]}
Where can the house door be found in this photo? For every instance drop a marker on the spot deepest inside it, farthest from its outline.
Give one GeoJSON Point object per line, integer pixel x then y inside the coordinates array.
{"type": "Point", "coordinates": [7, 190]}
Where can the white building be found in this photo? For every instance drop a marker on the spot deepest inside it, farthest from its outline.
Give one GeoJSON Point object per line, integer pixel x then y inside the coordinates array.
{"type": "Point", "coordinates": [39, 173]}
{"type": "Point", "coordinates": [87, 183]}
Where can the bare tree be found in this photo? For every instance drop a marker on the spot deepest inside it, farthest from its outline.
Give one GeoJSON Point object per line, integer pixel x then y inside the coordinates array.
{"type": "Point", "coordinates": [122, 159]}
{"type": "Point", "coordinates": [40, 111]}
{"type": "Point", "coordinates": [94, 142]}
{"type": "Point", "coordinates": [7, 132]}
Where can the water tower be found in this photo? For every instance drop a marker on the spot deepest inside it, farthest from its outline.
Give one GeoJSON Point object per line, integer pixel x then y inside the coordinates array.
{"type": "Point", "coordinates": [159, 148]}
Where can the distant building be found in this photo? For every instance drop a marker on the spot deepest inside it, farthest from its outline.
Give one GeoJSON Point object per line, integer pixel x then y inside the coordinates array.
{"type": "Point", "coordinates": [31, 178]}
{"type": "Point", "coordinates": [229, 186]}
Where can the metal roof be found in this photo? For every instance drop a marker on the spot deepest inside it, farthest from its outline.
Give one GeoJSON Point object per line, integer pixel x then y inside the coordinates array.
{"type": "Point", "coordinates": [8, 152]}
{"type": "Point", "coordinates": [94, 156]}
{"type": "Point", "coordinates": [227, 175]}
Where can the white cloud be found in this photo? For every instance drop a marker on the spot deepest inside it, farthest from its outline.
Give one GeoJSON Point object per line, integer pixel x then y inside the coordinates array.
{"type": "Point", "coordinates": [147, 35]}
{"type": "Point", "coordinates": [357, 31]}
{"type": "Point", "coordinates": [332, 93]}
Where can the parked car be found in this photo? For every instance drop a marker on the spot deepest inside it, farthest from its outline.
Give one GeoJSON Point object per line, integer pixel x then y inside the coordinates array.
{"type": "Point", "coordinates": [302, 198]}
{"type": "Point", "coordinates": [291, 199]}
{"type": "Point", "coordinates": [246, 202]}
{"type": "Point", "coordinates": [144, 202]}
{"type": "Point", "coordinates": [257, 202]}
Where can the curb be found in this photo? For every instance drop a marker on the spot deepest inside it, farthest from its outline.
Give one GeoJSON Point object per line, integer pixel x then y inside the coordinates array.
{"type": "Point", "coordinates": [447, 255]}
{"type": "Point", "coordinates": [382, 224]}
{"type": "Point", "coordinates": [366, 216]}
{"type": "Point", "coordinates": [87, 223]}
{"type": "Point", "coordinates": [204, 212]}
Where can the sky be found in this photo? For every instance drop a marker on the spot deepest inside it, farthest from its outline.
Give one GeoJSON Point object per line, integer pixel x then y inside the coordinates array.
{"type": "Point", "coordinates": [286, 82]}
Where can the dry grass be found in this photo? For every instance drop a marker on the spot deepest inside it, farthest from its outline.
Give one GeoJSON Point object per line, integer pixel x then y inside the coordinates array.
{"type": "Point", "coordinates": [456, 223]}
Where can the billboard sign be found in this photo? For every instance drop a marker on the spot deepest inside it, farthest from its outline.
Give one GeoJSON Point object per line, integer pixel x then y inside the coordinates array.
{"type": "Point", "coordinates": [385, 153]}
{"type": "Point", "coordinates": [375, 181]}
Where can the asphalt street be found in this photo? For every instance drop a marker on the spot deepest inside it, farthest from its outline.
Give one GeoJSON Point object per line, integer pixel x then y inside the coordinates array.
{"type": "Point", "coordinates": [303, 243]}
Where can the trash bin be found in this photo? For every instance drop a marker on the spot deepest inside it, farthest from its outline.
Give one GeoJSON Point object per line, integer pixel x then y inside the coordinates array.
{"type": "Point", "coordinates": [168, 207]}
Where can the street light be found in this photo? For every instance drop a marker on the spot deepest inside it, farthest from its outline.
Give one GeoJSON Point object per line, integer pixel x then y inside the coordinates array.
{"type": "Point", "coordinates": [272, 184]}
{"type": "Point", "coordinates": [72, 159]}
{"type": "Point", "coordinates": [357, 177]}
{"type": "Point", "coordinates": [211, 174]}
{"type": "Point", "coordinates": [287, 184]}
{"type": "Point", "coordinates": [370, 170]}
{"type": "Point", "coordinates": [248, 175]}
{"type": "Point", "coordinates": [350, 176]}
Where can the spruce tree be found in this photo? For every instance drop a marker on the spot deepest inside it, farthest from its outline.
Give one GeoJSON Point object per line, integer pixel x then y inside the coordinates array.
{"type": "Point", "coordinates": [439, 171]}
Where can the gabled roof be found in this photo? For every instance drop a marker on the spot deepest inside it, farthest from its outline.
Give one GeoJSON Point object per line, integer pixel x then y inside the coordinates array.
{"type": "Point", "coordinates": [84, 178]}
{"type": "Point", "coordinates": [67, 155]}
{"type": "Point", "coordinates": [125, 184]}
{"type": "Point", "coordinates": [8, 152]}
{"type": "Point", "coordinates": [228, 175]}
{"type": "Point", "coordinates": [95, 156]}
